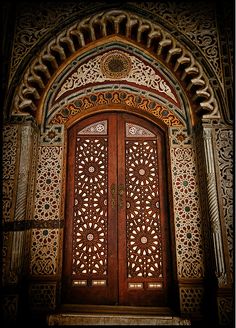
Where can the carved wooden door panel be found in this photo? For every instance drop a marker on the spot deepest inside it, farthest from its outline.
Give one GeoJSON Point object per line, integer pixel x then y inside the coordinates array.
{"type": "Point", "coordinates": [116, 231]}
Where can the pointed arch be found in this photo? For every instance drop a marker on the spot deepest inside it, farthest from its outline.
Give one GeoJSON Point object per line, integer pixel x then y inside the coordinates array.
{"type": "Point", "coordinates": [150, 36]}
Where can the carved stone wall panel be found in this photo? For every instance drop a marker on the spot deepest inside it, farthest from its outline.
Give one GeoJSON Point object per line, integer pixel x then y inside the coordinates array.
{"type": "Point", "coordinates": [6, 255]}
{"type": "Point", "coordinates": [31, 29]}
{"type": "Point", "coordinates": [225, 154]}
{"type": "Point", "coordinates": [26, 174]}
{"type": "Point", "coordinates": [227, 43]}
{"type": "Point", "coordinates": [44, 252]}
{"type": "Point", "coordinates": [189, 239]}
{"type": "Point", "coordinates": [191, 300]}
{"type": "Point", "coordinates": [33, 160]}
{"type": "Point", "coordinates": [42, 295]}
{"type": "Point", "coordinates": [48, 183]}
{"type": "Point", "coordinates": [45, 244]}
{"type": "Point", "coordinates": [197, 21]}
{"type": "Point", "coordinates": [17, 257]}
{"type": "Point", "coordinates": [96, 70]}
{"type": "Point", "coordinates": [164, 44]}
{"type": "Point", "coordinates": [198, 24]}
{"type": "Point", "coordinates": [53, 135]}
{"type": "Point", "coordinates": [9, 308]}
{"type": "Point", "coordinates": [10, 154]}
{"type": "Point", "coordinates": [202, 178]}
{"type": "Point", "coordinates": [225, 311]}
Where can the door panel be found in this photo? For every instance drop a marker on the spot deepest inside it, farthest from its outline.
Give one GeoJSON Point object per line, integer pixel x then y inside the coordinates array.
{"type": "Point", "coordinates": [90, 258]}
{"type": "Point", "coordinates": [143, 277]}
{"type": "Point", "coordinates": [116, 234]}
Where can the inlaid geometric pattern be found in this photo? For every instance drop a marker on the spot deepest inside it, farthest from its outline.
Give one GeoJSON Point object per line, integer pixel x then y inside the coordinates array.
{"type": "Point", "coordinates": [189, 239]}
{"type": "Point", "coordinates": [191, 299]}
{"type": "Point", "coordinates": [98, 128]}
{"type": "Point", "coordinates": [53, 135]}
{"type": "Point", "coordinates": [48, 183]}
{"type": "Point", "coordinates": [90, 207]}
{"type": "Point", "coordinates": [9, 170]}
{"type": "Point", "coordinates": [143, 219]}
{"type": "Point", "coordinates": [115, 64]}
{"type": "Point", "coordinates": [44, 251]}
{"type": "Point", "coordinates": [140, 102]}
{"type": "Point", "coordinates": [133, 130]}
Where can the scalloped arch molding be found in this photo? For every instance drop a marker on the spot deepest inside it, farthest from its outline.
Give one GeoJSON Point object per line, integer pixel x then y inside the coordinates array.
{"type": "Point", "coordinates": [149, 36]}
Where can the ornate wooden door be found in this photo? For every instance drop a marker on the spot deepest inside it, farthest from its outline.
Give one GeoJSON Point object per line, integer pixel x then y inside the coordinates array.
{"type": "Point", "coordinates": [116, 225]}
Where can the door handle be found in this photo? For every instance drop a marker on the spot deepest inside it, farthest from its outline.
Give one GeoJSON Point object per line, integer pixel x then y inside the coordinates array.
{"type": "Point", "coordinates": [113, 195]}
{"type": "Point", "coordinates": [121, 191]}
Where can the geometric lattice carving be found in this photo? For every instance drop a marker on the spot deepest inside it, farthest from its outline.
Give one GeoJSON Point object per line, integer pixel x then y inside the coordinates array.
{"type": "Point", "coordinates": [90, 207]}
{"type": "Point", "coordinates": [224, 150]}
{"type": "Point", "coordinates": [43, 295]}
{"type": "Point", "coordinates": [98, 128]}
{"type": "Point", "coordinates": [9, 153]}
{"type": "Point", "coordinates": [189, 241]}
{"type": "Point", "coordinates": [44, 251]}
{"type": "Point", "coordinates": [180, 137]}
{"type": "Point", "coordinates": [48, 183]}
{"type": "Point", "coordinates": [133, 130]}
{"type": "Point", "coordinates": [52, 135]}
{"type": "Point", "coordinates": [143, 219]}
{"type": "Point", "coordinates": [115, 65]}
{"type": "Point", "coordinates": [191, 299]}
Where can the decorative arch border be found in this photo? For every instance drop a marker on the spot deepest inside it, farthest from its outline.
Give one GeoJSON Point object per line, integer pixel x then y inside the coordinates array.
{"type": "Point", "coordinates": [149, 35]}
{"type": "Point", "coordinates": [113, 100]}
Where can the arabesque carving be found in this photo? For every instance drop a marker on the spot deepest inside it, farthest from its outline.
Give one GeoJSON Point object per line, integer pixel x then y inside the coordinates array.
{"type": "Point", "coordinates": [114, 22]}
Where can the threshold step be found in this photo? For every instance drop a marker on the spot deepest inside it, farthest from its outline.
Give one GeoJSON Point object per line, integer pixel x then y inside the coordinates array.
{"type": "Point", "coordinates": [86, 319]}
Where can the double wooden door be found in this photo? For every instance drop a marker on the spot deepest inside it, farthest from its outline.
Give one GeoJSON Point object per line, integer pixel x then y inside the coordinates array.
{"type": "Point", "coordinates": [116, 219]}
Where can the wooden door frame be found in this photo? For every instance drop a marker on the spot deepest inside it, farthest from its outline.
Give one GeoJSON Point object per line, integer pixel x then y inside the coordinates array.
{"type": "Point", "coordinates": [174, 305]}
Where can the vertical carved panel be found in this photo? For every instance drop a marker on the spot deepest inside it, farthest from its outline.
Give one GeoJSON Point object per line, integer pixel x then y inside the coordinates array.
{"type": "Point", "coordinates": [48, 183]}
{"type": "Point", "coordinates": [44, 252]}
{"type": "Point", "coordinates": [189, 239]}
{"type": "Point", "coordinates": [224, 151]}
{"type": "Point", "coordinates": [9, 309]}
{"type": "Point", "coordinates": [226, 311]}
{"type": "Point", "coordinates": [43, 295]}
{"type": "Point", "coordinates": [191, 299]}
{"type": "Point", "coordinates": [90, 207]}
{"type": "Point", "coordinates": [9, 159]}
{"type": "Point", "coordinates": [143, 217]}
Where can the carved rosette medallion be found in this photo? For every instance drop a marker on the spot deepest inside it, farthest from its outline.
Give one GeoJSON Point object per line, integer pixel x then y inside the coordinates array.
{"type": "Point", "coordinates": [115, 65]}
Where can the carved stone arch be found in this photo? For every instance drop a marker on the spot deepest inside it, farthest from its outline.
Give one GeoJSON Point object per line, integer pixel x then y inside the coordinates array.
{"type": "Point", "coordinates": [150, 36]}
{"type": "Point", "coordinates": [87, 81]}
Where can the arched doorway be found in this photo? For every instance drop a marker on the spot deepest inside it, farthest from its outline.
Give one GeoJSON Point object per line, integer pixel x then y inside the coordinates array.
{"type": "Point", "coordinates": [117, 234]}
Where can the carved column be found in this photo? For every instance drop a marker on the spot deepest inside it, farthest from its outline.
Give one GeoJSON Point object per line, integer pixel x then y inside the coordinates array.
{"type": "Point", "coordinates": [213, 207]}
{"type": "Point", "coordinates": [20, 148]}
